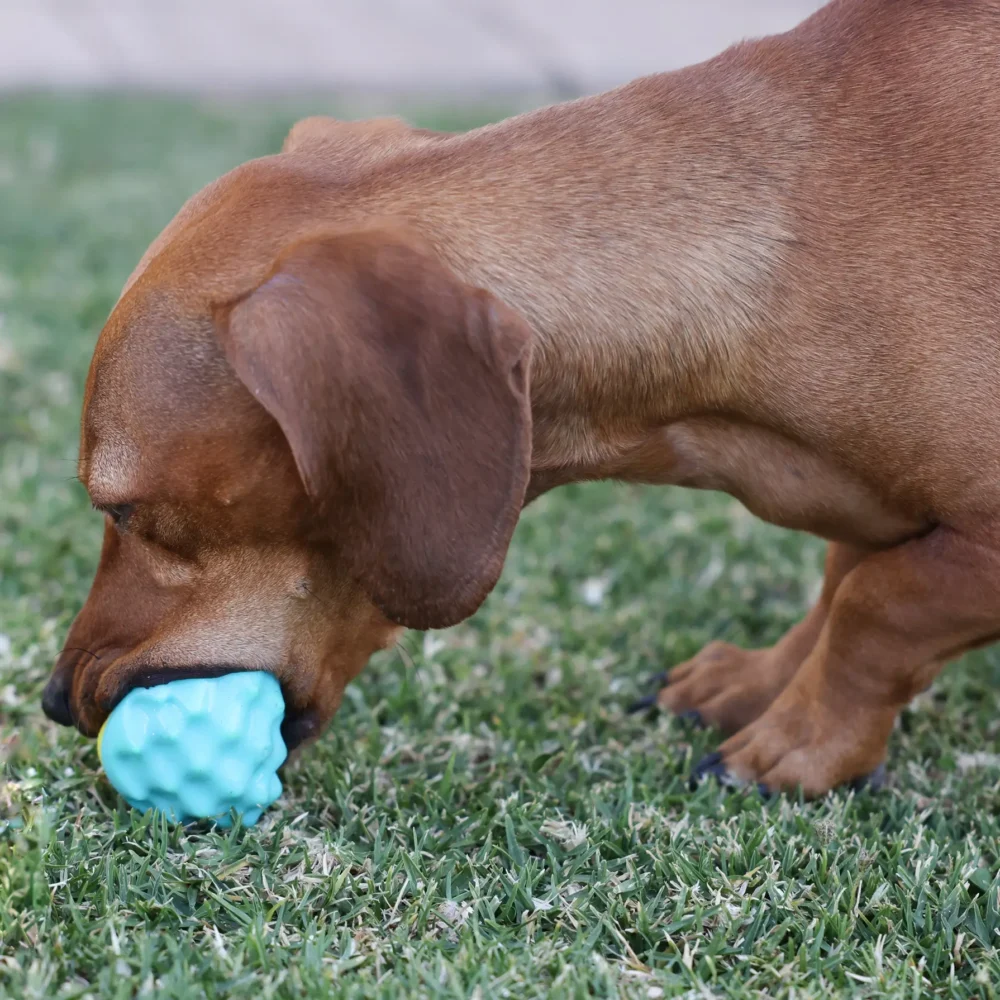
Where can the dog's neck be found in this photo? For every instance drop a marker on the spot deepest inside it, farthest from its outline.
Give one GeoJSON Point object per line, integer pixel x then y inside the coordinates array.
{"type": "Point", "coordinates": [644, 293]}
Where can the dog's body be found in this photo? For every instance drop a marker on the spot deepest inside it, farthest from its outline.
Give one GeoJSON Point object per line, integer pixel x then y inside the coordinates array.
{"type": "Point", "coordinates": [775, 274]}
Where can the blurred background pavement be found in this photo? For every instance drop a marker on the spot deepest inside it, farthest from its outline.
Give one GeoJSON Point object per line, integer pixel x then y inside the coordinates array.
{"type": "Point", "coordinates": [463, 49]}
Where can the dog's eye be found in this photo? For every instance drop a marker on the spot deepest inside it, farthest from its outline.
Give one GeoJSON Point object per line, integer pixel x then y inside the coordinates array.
{"type": "Point", "coordinates": [118, 512]}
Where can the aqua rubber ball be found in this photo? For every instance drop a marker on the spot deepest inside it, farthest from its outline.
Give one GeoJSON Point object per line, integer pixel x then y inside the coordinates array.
{"type": "Point", "coordinates": [198, 748]}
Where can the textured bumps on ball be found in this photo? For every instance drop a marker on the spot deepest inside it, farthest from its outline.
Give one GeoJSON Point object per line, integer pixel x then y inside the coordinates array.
{"type": "Point", "coordinates": [198, 748]}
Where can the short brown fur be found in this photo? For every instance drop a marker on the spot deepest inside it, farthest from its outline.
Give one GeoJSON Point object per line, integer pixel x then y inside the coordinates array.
{"type": "Point", "coordinates": [336, 377]}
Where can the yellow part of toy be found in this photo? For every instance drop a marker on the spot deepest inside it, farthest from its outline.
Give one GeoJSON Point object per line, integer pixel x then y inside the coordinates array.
{"type": "Point", "coordinates": [100, 736]}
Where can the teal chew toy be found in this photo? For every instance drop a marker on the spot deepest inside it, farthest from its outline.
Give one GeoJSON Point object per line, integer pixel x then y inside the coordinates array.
{"type": "Point", "coordinates": [198, 748]}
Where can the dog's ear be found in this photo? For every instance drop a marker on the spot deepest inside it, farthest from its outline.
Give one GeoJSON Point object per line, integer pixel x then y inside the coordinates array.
{"type": "Point", "coordinates": [403, 394]}
{"type": "Point", "coordinates": [358, 139]}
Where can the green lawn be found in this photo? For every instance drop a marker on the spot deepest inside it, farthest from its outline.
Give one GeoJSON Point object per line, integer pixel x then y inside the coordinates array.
{"type": "Point", "coordinates": [483, 819]}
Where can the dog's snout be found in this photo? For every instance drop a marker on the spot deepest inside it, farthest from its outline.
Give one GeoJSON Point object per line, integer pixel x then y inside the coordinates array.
{"type": "Point", "coordinates": [55, 698]}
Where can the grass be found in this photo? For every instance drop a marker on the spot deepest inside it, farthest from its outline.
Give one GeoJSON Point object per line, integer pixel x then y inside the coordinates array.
{"type": "Point", "coordinates": [483, 819]}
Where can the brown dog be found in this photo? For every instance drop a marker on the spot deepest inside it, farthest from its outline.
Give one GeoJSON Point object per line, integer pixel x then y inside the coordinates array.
{"type": "Point", "coordinates": [335, 379]}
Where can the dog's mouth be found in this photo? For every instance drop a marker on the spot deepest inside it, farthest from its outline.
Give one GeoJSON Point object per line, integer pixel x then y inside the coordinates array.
{"type": "Point", "coordinates": [298, 725]}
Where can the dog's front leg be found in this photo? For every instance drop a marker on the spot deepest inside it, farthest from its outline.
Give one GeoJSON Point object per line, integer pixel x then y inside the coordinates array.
{"type": "Point", "coordinates": [894, 620]}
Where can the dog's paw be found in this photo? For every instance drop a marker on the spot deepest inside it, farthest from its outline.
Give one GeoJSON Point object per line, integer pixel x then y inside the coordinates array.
{"type": "Point", "coordinates": [724, 686]}
{"type": "Point", "coordinates": [713, 766]}
{"type": "Point", "coordinates": [801, 744]}
{"type": "Point", "coordinates": [650, 702]}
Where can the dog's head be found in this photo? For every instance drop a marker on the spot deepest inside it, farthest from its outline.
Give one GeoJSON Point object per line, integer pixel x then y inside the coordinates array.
{"type": "Point", "coordinates": [302, 439]}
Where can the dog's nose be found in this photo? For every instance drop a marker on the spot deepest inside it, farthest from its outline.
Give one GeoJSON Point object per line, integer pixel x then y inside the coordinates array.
{"type": "Point", "coordinates": [55, 698]}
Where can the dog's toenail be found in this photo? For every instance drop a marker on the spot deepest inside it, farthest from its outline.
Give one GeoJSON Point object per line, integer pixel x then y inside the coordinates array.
{"type": "Point", "coordinates": [765, 792]}
{"type": "Point", "coordinates": [873, 782]}
{"type": "Point", "coordinates": [661, 678]}
{"type": "Point", "coordinates": [692, 716]}
{"type": "Point", "coordinates": [709, 765]}
{"type": "Point", "coordinates": [642, 704]}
